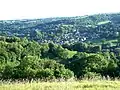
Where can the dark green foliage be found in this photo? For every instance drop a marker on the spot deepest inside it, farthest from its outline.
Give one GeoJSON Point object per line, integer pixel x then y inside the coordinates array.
{"type": "Point", "coordinates": [63, 30]}
{"type": "Point", "coordinates": [88, 46]}
{"type": "Point", "coordinates": [22, 59]}
{"type": "Point", "coordinates": [83, 63]}
{"type": "Point", "coordinates": [81, 47]}
{"type": "Point", "coordinates": [94, 48]}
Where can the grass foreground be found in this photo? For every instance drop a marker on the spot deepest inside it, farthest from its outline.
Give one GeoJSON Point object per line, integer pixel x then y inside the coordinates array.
{"type": "Point", "coordinates": [71, 85]}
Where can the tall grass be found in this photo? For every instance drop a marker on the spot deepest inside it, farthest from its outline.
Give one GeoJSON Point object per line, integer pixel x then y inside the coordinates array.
{"type": "Point", "coordinates": [63, 85]}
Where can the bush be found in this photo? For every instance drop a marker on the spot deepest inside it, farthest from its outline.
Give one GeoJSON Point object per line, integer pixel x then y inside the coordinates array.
{"type": "Point", "coordinates": [92, 75]}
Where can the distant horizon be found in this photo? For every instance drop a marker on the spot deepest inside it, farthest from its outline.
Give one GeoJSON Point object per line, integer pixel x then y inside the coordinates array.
{"type": "Point", "coordinates": [60, 16]}
{"type": "Point", "coordinates": [34, 9]}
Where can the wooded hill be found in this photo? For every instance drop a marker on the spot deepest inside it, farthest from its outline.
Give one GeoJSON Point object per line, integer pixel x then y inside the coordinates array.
{"type": "Point", "coordinates": [52, 48]}
{"type": "Point", "coordinates": [23, 59]}
{"type": "Point", "coordinates": [66, 29]}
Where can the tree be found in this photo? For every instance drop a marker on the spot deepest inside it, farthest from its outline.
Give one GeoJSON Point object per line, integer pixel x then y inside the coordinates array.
{"type": "Point", "coordinates": [80, 65]}
{"type": "Point", "coordinates": [94, 49]}
{"type": "Point", "coordinates": [81, 47]}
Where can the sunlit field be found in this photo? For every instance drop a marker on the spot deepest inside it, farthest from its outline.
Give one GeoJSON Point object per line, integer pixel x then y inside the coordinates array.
{"type": "Point", "coordinates": [71, 85]}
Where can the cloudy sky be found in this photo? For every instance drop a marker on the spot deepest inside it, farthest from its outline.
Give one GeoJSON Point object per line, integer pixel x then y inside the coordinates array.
{"type": "Point", "coordinates": [25, 9]}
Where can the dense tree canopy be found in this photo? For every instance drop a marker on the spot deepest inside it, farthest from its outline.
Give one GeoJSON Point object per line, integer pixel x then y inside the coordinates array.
{"type": "Point", "coordinates": [60, 47]}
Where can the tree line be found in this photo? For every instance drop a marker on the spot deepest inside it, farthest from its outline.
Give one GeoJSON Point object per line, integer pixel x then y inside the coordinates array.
{"type": "Point", "coordinates": [21, 58]}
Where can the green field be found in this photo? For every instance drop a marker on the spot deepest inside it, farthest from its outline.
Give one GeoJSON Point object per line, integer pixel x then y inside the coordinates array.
{"type": "Point", "coordinates": [71, 85]}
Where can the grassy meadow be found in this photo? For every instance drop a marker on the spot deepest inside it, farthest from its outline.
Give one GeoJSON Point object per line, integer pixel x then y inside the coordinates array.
{"type": "Point", "coordinates": [71, 85]}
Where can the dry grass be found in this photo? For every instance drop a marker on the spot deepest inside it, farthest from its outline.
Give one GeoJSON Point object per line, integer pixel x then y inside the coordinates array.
{"type": "Point", "coordinates": [71, 85]}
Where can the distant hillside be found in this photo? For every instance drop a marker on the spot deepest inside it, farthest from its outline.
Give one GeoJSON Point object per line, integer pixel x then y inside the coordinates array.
{"type": "Point", "coordinates": [65, 29]}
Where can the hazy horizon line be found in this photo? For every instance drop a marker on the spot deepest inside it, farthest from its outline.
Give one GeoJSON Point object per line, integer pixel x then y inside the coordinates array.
{"type": "Point", "coordinates": [32, 18]}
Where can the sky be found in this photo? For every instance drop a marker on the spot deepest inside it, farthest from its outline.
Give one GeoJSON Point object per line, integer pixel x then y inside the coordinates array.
{"type": "Point", "coordinates": [31, 9]}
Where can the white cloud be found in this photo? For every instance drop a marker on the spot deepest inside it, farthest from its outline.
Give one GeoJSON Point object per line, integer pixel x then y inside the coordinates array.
{"type": "Point", "coordinates": [17, 9]}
